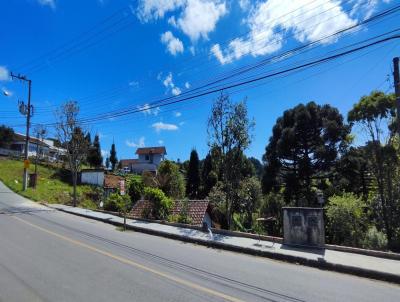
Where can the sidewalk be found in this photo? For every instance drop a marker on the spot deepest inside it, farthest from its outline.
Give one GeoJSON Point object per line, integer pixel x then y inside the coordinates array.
{"type": "Point", "coordinates": [356, 264]}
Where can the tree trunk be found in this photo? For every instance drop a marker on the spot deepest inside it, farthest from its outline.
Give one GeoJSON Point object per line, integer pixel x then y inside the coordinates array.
{"type": "Point", "coordinates": [74, 181]}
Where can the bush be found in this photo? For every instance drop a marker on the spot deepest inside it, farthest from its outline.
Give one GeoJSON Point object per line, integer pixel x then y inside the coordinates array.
{"type": "Point", "coordinates": [162, 204]}
{"type": "Point", "coordinates": [346, 219]}
{"type": "Point", "coordinates": [135, 189]}
{"type": "Point", "coordinates": [88, 204]}
{"type": "Point", "coordinates": [374, 240]}
{"type": "Point", "coordinates": [111, 203]}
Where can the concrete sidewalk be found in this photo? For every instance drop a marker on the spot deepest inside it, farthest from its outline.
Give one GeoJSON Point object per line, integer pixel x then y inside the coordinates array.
{"type": "Point", "coordinates": [356, 264]}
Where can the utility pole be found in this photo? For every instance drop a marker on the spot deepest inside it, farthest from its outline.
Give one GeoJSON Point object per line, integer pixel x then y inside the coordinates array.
{"type": "Point", "coordinates": [396, 82]}
{"type": "Point", "coordinates": [28, 111]}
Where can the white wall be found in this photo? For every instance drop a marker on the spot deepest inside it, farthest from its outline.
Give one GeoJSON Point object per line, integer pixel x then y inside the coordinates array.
{"type": "Point", "coordinates": [92, 177]}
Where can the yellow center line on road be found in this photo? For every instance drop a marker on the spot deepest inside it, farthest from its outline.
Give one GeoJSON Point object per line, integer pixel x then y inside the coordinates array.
{"type": "Point", "coordinates": [135, 264]}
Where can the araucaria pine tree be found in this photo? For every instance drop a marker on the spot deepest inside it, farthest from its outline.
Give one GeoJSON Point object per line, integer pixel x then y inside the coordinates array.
{"type": "Point", "coordinates": [113, 157]}
{"type": "Point", "coordinates": [193, 176]}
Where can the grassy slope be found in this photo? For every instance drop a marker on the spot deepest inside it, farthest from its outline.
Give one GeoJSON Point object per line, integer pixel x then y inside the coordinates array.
{"type": "Point", "coordinates": [50, 188]}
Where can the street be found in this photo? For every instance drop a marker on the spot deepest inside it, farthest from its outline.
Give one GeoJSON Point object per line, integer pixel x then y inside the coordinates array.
{"type": "Point", "coordinates": [52, 256]}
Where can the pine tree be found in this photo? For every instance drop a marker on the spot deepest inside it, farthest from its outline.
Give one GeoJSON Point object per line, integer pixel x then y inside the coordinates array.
{"type": "Point", "coordinates": [113, 157]}
{"type": "Point", "coordinates": [193, 176]}
{"type": "Point", "coordinates": [94, 157]}
{"type": "Point", "coordinates": [107, 162]}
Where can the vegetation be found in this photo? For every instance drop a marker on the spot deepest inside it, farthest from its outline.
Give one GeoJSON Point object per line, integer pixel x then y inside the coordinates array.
{"type": "Point", "coordinates": [113, 157]}
{"type": "Point", "coordinates": [6, 135]}
{"type": "Point", "coordinates": [135, 188]}
{"type": "Point", "coordinates": [162, 204]}
{"type": "Point", "coordinates": [54, 184]}
{"type": "Point", "coordinates": [193, 176]}
{"type": "Point", "coordinates": [94, 157]}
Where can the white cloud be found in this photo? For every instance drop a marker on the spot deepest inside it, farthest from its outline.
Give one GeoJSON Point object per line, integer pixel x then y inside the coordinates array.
{"type": "Point", "coordinates": [174, 45]}
{"type": "Point", "coordinates": [187, 85]}
{"type": "Point", "coordinates": [133, 83]}
{"type": "Point", "coordinates": [155, 9]}
{"type": "Point", "coordinates": [181, 123]}
{"type": "Point", "coordinates": [147, 110]}
{"type": "Point", "coordinates": [270, 20]}
{"type": "Point", "coordinates": [197, 18]}
{"type": "Point", "coordinates": [159, 126]}
{"type": "Point", "coordinates": [4, 74]}
{"type": "Point", "coordinates": [139, 144]}
{"type": "Point", "coordinates": [177, 114]}
{"type": "Point", "coordinates": [365, 10]}
{"type": "Point", "coordinates": [244, 4]}
{"type": "Point", "coordinates": [168, 82]}
{"type": "Point", "coordinates": [161, 142]}
{"type": "Point", "coordinates": [176, 91]}
{"type": "Point", "coordinates": [50, 3]}
{"type": "Point", "coordinates": [200, 17]}
{"type": "Point", "coordinates": [104, 153]}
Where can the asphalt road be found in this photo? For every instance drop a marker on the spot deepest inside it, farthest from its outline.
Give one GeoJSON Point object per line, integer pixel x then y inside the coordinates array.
{"type": "Point", "coordinates": [52, 256]}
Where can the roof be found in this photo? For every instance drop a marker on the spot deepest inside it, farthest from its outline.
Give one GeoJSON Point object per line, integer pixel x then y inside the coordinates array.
{"type": "Point", "coordinates": [153, 150]}
{"type": "Point", "coordinates": [112, 181]}
{"type": "Point", "coordinates": [21, 137]}
{"type": "Point", "coordinates": [127, 162]}
{"type": "Point", "coordinates": [196, 209]}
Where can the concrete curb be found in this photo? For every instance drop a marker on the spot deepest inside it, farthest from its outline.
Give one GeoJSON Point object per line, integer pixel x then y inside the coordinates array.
{"type": "Point", "coordinates": [320, 264]}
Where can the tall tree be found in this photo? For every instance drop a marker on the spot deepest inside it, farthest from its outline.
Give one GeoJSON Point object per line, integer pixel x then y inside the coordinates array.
{"type": "Point", "coordinates": [229, 130]}
{"type": "Point", "coordinates": [107, 162]}
{"type": "Point", "coordinates": [193, 176]}
{"type": "Point", "coordinates": [376, 114]}
{"type": "Point", "coordinates": [6, 135]}
{"type": "Point", "coordinates": [258, 166]}
{"type": "Point", "coordinates": [70, 134]}
{"type": "Point", "coordinates": [209, 175]}
{"type": "Point", "coordinates": [170, 180]}
{"type": "Point", "coordinates": [94, 157]}
{"type": "Point", "coordinates": [302, 150]}
{"type": "Point", "coordinates": [113, 157]}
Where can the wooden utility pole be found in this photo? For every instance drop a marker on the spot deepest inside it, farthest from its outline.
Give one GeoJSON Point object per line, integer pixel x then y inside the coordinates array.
{"type": "Point", "coordinates": [28, 111]}
{"type": "Point", "coordinates": [396, 82]}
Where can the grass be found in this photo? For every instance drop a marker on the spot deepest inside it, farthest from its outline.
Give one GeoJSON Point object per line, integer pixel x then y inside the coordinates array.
{"type": "Point", "coordinates": [53, 184]}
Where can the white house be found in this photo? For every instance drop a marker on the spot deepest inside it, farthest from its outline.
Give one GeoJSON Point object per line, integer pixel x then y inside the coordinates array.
{"type": "Point", "coordinates": [45, 148]}
{"type": "Point", "coordinates": [149, 159]}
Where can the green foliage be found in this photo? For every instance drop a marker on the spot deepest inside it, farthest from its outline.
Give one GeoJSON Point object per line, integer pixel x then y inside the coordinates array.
{"type": "Point", "coordinates": [217, 198]}
{"type": "Point", "coordinates": [112, 202]}
{"type": "Point", "coordinates": [135, 188]}
{"type": "Point", "coordinates": [88, 204]}
{"type": "Point", "coordinates": [107, 162]}
{"type": "Point", "coordinates": [249, 197]}
{"type": "Point", "coordinates": [6, 135]}
{"type": "Point", "coordinates": [374, 239]}
{"type": "Point", "coordinates": [94, 157]}
{"type": "Point", "coordinates": [271, 206]}
{"type": "Point", "coordinates": [162, 204]}
{"type": "Point", "coordinates": [209, 174]}
{"type": "Point", "coordinates": [113, 157]}
{"type": "Point", "coordinates": [170, 180]}
{"type": "Point", "coordinates": [193, 176]}
{"type": "Point", "coordinates": [346, 219]}
{"type": "Point", "coordinates": [183, 216]}
{"type": "Point", "coordinates": [304, 146]}
{"type": "Point", "coordinates": [258, 166]}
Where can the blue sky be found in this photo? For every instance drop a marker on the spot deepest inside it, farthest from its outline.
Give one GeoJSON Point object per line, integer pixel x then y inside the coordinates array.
{"type": "Point", "coordinates": [110, 55]}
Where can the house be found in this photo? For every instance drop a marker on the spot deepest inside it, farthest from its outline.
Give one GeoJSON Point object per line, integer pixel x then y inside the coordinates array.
{"type": "Point", "coordinates": [92, 176]}
{"type": "Point", "coordinates": [149, 159]}
{"type": "Point", "coordinates": [111, 183]}
{"type": "Point", "coordinates": [199, 211]}
{"type": "Point", "coordinates": [45, 148]}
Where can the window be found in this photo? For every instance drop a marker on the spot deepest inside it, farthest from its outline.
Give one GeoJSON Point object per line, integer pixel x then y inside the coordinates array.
{"type": "Point", "coordinates": [147, 157]}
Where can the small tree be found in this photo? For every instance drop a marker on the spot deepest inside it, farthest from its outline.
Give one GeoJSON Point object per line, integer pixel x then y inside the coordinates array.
{"type": "Point", "coordinates": [193, 176]}
{"type": "Point", "coordinates": [162, 204]}
{"type": "Point", "coordinates": [94, 157]}
{"type": "Point", "coordinates": [135, 188]}
{"type": "Point", "coordinates": [250, 196]}
{"type": "Point", "coordinates": [107, 162]}
{"type": "Point", "coordinates": [113, 157]}
{"type": "Point", "coordinates": [170, 180]}
{"type": "Point", "coordinates": [6, 135]}
{"type": "Point", "coordinates": [70, 134]}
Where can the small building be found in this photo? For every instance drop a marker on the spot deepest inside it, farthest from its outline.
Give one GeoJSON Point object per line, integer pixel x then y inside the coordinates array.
{"type": "Point", "coordinates": [111, 184]}
{"type": "Point", "coordinates": [303, 226]}
{"type": "Point", "coordinates": [149, 159]}
{"type": "Point", "coordinates": [199, 211]}
{"type": "Point", "coordinates": [92, 177]}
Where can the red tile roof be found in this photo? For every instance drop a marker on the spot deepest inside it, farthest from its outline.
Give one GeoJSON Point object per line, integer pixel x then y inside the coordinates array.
{"type": "Point", "coordinates": [196, 209]}
{"type": "Point", "coordinates": [153, 150]}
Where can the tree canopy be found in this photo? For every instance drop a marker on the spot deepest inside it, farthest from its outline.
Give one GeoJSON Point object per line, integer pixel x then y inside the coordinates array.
{"type": "Point", "coordinates": [303, 148]}
{"type": "Point", "coordinates": [193, 176]}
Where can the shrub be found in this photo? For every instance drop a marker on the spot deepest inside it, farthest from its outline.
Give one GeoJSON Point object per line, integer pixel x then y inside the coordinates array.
{"type": "Point", "coordinates": [135, 189]}
{"type": "Point", "coordinates": [162, 204]}
{"type": "Point", "coordinates": [374, 239]}
{"type": "Point", "coordinates": [271, 206]}
{"type": "Point", "coordinates": [88, 204]}
{"type": "Point", "coordinates": [111, 203]}
{"type": "Point", "coordinates": [346, 219]}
